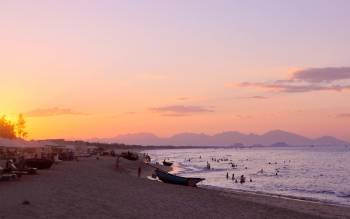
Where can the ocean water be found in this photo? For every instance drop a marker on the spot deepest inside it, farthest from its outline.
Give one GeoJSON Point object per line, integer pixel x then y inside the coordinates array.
{"type": "Point", "coordinates": [316, 173]}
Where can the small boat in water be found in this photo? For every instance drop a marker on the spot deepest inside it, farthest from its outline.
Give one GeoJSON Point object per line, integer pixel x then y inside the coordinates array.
{"type": "Point", "coordinates": [179, 180]}
{"type": "Point", "coordinates": [166, 163]}
{"type": "Point", "coordinates": [39, 163]}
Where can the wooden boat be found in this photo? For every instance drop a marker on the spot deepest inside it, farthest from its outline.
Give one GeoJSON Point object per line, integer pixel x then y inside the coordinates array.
{"type": "Point", "coordinates": [129, 155]}
{"type": "Point", "coordinates": [179, 180]}
{"type": "Point", "coordinates": [39, 163]}
{"type": "Point", "coordinates": [165, 163]}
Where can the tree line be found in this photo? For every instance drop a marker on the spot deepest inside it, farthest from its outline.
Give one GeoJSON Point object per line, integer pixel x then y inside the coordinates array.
{"type": "Point", "coordinates": [12, 130]}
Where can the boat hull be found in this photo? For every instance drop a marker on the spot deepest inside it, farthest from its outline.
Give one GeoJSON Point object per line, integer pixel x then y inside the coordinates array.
{"type": "Point", "coordinates": [178, 180]}
{"type": "Point", "coordinates": [167, 163]}
{"type": "Point", "coordinates": [39, 163]}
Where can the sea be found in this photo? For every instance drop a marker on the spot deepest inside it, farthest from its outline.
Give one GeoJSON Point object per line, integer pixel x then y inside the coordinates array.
{"type": "Point", "coordinates": [314, 173]}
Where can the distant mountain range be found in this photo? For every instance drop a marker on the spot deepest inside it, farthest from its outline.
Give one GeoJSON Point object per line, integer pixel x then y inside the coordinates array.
{"type": "Point", "coordinates": [275, 138]}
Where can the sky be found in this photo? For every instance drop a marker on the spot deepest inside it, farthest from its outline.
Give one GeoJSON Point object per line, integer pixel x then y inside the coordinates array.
{"type": "Point", "coordinates": [85, 69]}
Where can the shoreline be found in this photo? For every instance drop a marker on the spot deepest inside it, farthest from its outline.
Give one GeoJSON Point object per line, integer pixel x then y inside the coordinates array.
{"type": "Point", "coordinates": [260, 197]}
{"type": "Point", "coordinates": [292, 197]}
{"type": "Point", "coordinates": [331, 200]}
{"type": "Point", "coordinates": [261, 193]}
{"type": "Point", "coordinates": [273, 195]}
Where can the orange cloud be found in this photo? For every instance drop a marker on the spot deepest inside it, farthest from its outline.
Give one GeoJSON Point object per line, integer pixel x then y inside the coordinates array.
{"type": "Point", "coordinates": [55, 111]}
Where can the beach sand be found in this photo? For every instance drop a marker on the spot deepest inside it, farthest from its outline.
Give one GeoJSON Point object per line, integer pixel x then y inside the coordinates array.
{"type": "Point", "coordinates": [92, 188]}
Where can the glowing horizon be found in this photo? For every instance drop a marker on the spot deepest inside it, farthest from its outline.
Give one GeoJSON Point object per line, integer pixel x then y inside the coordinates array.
{"type": "Point", "coordinates": [99, 69]}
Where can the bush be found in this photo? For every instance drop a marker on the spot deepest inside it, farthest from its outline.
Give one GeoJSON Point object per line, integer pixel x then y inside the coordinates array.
{"type": "Point", "coordinates": [7, 129]}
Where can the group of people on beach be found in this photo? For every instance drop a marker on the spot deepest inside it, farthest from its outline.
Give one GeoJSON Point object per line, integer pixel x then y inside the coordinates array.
{"type": "Point", "coordinates": [242, 178]}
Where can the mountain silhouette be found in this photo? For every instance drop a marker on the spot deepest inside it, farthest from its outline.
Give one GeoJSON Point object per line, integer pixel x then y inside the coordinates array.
{"type": "Point", "coordinates": [230, 138]}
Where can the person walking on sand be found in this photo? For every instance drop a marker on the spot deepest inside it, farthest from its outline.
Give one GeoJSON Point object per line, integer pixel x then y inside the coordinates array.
{"type": "Point", "coordinates": [117, 162]}
{"type": "Point", "coordinates": [227, 175]}
{"type": "Point", "coordinates": [139, 171]}
{"type": "Point", "coordinates": [233, 176]}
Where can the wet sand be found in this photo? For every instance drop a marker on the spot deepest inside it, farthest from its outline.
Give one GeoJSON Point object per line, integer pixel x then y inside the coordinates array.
{"type": "Point", "coordinates": [94, 188]}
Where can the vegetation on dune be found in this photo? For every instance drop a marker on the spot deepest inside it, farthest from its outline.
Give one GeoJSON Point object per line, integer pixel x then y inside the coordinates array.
{"type": "Point", "coordinates": [12, 130]}
{"type": "Point", "coordinates": [20, 127]}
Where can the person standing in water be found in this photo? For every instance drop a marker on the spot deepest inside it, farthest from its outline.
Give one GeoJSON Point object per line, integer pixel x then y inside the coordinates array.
{"type": "Point", "coordinates": [242, 179]}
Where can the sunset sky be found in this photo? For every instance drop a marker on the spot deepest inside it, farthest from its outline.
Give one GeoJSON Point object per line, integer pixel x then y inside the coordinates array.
{"type": "Point", "coordinates": [83, 69]}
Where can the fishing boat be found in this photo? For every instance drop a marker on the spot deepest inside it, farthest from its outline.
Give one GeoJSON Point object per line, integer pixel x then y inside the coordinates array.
{"type": "Point", "coordinates": [179, 180]}
{"type": "Point", "coordinates": [39, 163]}
{"type": "Point", "coordinates": [166, 163]}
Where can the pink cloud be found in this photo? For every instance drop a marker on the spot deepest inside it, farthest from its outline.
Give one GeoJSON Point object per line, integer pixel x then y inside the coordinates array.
{"type": "Point", "coordinates": [308, 80]}
{"type": "Point", "coordinates": [343, 115]}
{"type": "Point", "coordinates": [180, 110]}
{"type": "Point", "coordinates": [317, 75]}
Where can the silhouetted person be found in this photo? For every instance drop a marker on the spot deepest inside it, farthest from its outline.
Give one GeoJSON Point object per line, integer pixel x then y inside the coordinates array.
{"type": "Point", "coordinates": [242, 179]}
{"type": "Point", "coordinates": [117, 163]}
{"type": "Point", "coordinates": [139, 171]}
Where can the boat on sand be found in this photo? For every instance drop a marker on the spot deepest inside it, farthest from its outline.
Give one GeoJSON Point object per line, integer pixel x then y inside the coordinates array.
{"type": "Point", "coordinates": [39, 163]}
{"type": "Point", "coordinates": [179, 180]}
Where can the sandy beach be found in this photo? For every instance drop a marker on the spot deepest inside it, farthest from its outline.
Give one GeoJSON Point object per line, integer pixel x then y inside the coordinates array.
{"type": "Point", "coordinates": [92, 188]}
